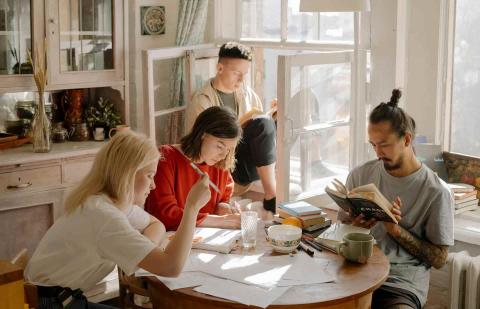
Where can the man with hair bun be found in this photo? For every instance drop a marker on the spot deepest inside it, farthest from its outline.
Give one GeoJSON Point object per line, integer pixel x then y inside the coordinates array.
{"type": "Point", "coordinates": [256, 152]}
{"type": "Point", "coordinates": [421, 203]}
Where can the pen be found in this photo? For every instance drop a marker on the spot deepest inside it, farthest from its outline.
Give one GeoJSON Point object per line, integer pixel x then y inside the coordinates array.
{"type": "Point", "coordinates": [199, 171]}
{"type": "Point", "coordinates": [307, 250]}
{"type": "Point", "coordinates": [313, 244]}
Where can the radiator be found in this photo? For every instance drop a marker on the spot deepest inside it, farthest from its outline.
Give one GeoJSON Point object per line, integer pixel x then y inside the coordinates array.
{"type": "Point", "coordinates": [464, 287]}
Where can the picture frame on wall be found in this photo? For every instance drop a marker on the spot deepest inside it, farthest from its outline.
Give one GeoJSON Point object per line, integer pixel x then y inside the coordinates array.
{"type": "Point", "coordinates": [152, 19]}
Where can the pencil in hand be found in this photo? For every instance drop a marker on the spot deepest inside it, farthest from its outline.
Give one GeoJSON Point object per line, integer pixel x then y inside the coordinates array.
{"type": "Point", "coordinates": [201, 173]}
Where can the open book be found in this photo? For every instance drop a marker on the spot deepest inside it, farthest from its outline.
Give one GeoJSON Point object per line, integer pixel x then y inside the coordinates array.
{"type": "Point", "coordinates": [331, 237]}
{"type": "Point", "coordinates": [366, 200]}
{"type": "Point", "coordinates": [249, 115]}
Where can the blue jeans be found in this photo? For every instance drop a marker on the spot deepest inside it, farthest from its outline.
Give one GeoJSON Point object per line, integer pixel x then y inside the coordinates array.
{"type": "Point", "coordinates": [76, 303]}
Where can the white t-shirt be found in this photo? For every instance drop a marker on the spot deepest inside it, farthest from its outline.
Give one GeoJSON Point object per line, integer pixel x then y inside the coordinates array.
{"type": "Point", "coordinates": [80, 249]}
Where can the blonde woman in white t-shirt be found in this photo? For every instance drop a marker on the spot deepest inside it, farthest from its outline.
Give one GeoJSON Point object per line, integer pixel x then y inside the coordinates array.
{"type": "Point", "coordinates": [103, 227]}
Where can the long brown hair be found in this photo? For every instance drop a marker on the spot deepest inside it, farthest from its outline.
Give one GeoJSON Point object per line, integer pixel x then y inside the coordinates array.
{"type": "Point", "coordinates": [219, 122]}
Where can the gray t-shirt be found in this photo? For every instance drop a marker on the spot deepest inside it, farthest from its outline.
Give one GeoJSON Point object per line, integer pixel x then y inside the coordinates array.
{"type": "Point", "coordinates": [427, 213]}
{"type": "Point", "coordinates": [228, 100]}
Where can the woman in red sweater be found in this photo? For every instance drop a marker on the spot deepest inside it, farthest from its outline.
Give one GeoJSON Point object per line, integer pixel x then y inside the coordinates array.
{"type": "Point", "coordinates": [210, 145]}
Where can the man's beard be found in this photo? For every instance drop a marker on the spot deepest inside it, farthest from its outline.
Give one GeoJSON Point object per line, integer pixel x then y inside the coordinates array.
{"type": "Point", "coordinates": [391, 167]}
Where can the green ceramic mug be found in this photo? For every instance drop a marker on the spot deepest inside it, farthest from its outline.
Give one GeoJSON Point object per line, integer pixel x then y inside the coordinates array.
{"type": "Point", "coordinates": [356, 247]}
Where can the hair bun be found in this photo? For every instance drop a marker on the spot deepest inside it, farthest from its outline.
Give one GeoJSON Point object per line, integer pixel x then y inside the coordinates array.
{"type": "Point", "coordinates": [396, 95]}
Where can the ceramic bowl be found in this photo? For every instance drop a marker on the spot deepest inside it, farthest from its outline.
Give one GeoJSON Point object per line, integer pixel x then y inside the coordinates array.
{"type": "Point", "coordinates": [284, 238]}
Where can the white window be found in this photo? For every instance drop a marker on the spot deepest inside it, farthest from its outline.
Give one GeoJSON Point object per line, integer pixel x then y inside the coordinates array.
{"type": "Point", "coordinates": [465, 100]}
{"type": "Point", "coordinates": [320, 84]}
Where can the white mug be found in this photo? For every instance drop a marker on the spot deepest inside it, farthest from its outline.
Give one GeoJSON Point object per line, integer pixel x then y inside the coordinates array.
{"type": "Point", "coordinates": [99, 134]}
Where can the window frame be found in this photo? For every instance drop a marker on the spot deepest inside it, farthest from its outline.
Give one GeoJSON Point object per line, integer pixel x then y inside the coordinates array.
{"type": "Point", "coordinates": [360, 47]}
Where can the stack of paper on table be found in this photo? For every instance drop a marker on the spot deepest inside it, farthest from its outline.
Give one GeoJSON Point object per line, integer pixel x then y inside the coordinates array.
{"type": "Point", "coordinates": [249, 279]}
{"type": "Point", "coordinates": [213, 239]}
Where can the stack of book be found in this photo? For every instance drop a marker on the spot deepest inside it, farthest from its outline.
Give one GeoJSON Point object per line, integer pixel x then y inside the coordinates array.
{"type": "Point", "coordinates": [465, 197]}
{"type": "Point", "coordinates": [313, 219]}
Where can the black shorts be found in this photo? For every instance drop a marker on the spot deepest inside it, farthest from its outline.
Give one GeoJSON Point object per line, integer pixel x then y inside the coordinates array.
{"type": "Point", "coordinates": [256, 148]}
{"type": "Point", "coordinates": [386, 296]}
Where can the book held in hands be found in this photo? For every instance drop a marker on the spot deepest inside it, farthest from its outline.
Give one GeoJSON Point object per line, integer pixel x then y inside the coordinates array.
{"type": "Point", "coordinates": [366, 200]}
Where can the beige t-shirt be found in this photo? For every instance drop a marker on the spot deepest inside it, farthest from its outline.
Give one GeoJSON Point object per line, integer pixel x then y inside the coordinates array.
{"type": "Point", "coordinates": [80, 249]}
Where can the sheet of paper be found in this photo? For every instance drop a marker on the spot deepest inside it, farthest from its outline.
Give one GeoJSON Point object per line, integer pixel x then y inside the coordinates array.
{"type": "Point", "coordinates": [307, 270]}
{"type": "Point", "coordinates": [265, 272]}
{"type": "Point", "coordinates": [249, 269]}
{"type": "Point", "coordinates": [242, 293]}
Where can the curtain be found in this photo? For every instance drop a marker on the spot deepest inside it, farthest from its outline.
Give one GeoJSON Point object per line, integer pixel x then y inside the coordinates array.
{"type": "Point", "coordinates": [192, 19]}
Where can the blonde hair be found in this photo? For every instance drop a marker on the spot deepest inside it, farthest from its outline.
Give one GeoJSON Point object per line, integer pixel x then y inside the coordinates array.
{"type": "Point", "coordinates": [114, 169]}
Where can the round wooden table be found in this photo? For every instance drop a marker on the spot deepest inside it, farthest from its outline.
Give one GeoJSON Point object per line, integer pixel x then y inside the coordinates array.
{"type": "Point", "coordinates": [353, 288]}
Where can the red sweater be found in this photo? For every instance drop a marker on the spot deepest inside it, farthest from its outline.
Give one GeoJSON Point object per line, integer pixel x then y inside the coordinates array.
{"type": "Point", "coordinates": [173, 181]}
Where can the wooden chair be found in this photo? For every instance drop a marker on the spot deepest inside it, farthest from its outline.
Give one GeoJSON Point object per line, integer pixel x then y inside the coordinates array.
{"type": "Point", "coordinates": [129, 286]}
{"type": "Point", "coordinates": [30, 290]}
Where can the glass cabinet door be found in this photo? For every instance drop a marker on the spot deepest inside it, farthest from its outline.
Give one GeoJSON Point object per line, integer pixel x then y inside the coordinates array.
{"type": "Point", "coordinates": [15, 37]}
{"type": "Point", "coordinates": [86, 39]}
{"type": "Point", "coordinates": [21, 25]}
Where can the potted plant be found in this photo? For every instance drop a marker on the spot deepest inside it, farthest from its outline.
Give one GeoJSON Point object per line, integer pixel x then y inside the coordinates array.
{"type": "Point", "coordinates": [102, 114]}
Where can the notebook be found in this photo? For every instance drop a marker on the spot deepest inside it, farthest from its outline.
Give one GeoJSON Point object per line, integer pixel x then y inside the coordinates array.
{"type": "Point", "coordinates": [300, 208]}
{"type": "Point", "coordinates": [212, 239]}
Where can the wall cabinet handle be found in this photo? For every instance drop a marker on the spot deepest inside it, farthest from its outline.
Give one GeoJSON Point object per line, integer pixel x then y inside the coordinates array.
{"type": "Point", "coordinates": [19, 186]}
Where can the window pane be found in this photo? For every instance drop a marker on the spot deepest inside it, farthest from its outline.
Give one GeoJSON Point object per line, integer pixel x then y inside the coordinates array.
{"type": "Point", "coordinates": [320, 94]}
{"type": "Point", "coordinates": [318, 157]}
{"type": "Point", "coordinates": [261, 19]}
{"type": "Point", "coordinates": [15, 37]}
{"type": "Point", "coordinates": [169, 129]}
{"type": "Point", "coordinates": [318, 112]}
{"type": "Point", "coordinates": [466, 79]}
{"type": "Point", "coordinates": [205, 68]}
{"type": "Point", "coordinates": [270, 65]}
{"type": "Point", "coordinates": [169, 83]}
{"type": "Point", "coordinates": [86, 36]}
{"type": "Point", "coordinates": [325, 27]}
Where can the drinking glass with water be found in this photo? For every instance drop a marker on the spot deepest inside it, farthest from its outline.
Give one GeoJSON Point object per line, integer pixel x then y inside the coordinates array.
{"type": "Point", "coordinates": [249, 228]}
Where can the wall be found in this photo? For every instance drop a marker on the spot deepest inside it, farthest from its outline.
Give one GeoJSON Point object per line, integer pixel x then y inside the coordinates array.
{"type": "Point", "coordinates": [383, 50]}
{"type": "Point", "coordinates": [138, 43]}
{"type": "Point", "coordinates": [405, 48]}
{"type": "Point", "coordinates": [422, 69]}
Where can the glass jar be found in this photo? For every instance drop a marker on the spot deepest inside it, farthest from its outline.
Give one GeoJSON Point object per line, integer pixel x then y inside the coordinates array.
{"type": "Point", "coordinates": [59, 133]}
{"type": "Point", "coordinates": [25, 109]}
{"type": "Point", "coordinates": [79, 132]}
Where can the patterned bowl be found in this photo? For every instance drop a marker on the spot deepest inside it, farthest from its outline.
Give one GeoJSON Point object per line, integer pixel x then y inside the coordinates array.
{"type": "Point", "coordinates": [284, 238]}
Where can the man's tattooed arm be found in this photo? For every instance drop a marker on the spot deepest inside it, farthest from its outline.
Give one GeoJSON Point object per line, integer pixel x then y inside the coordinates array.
{"type": "Point", "coordinates": [435, 255]}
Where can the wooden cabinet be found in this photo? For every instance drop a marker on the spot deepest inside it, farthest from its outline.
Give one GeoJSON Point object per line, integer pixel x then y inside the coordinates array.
{"type": "Point", "coordinates": [33, 188]}
{"type": "Point", "coordinates": [29, 177]}
{"type": "Point", "coordinates": [85, 43]}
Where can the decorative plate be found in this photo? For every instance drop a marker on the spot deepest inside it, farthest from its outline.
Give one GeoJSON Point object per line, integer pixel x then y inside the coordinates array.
{"type": "Point", "coordinates": [153, 20]}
